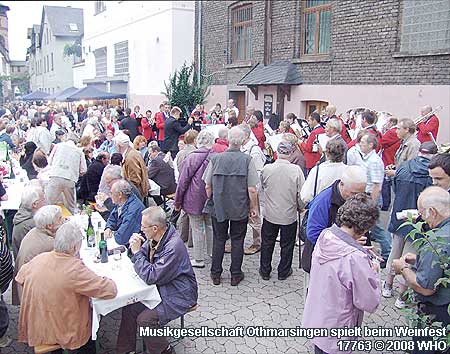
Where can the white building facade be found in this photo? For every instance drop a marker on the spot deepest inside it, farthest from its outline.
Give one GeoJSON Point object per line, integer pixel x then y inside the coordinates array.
{"type": "Point", "coordinates": [50, 70]}
{"type": "Point", "coordinates": [132, 47]}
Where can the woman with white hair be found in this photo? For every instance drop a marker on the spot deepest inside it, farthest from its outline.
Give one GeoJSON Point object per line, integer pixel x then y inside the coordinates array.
{"type": "Point", "coordinates": [191, 196]}
{"type": "Point", "coordinates": [40, 239]}
{"type": "Point", "coordinates": [57, 288]}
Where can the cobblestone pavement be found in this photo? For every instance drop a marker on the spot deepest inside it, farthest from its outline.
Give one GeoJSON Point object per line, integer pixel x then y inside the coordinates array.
{"type": "Point", "coordinates": [254, 302]}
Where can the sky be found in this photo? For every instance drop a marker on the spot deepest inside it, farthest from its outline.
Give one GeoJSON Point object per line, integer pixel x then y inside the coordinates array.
{"type": "Point", "coordinates": [23, 15]}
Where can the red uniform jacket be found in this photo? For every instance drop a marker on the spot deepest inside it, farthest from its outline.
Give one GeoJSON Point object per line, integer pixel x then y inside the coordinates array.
{"type": "Point", "coordinates": [430, 126]}
{"type": "Point", "coordinates": [390, 144]}
{"type": "Point", "coordinates": [147, 130]}
{"type": "Point", "coordinates": [311, 157]}
{"type": "Point", "coordinates": [372, 130]}
{"type": "Point", "coordinates": [259, 134]}
{"type": "Point", "coordinates": [159, 118]}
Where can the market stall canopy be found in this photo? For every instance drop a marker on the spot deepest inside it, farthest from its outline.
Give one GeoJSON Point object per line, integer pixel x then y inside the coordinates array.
{"type": "Point", "coordinates": [92, 93]}
{"type": "Point", "coordinates": [35, 96]}
{"type": "Point", "coordinates": [62, 95]}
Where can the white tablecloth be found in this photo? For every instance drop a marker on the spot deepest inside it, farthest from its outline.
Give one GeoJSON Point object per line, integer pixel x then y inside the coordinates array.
{"type": "Point", "coordinates": [155, 189]}
{"type": "Point", "coordinates": [14, 189]}
{"type": "Point", "coordinates": [130, 287]}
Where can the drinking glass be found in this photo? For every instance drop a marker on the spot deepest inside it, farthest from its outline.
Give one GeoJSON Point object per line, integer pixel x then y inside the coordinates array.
{"type": "Point", "coordinates": [117, 256]}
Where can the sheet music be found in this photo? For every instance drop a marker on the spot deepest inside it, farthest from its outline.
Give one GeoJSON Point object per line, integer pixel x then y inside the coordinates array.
{"type": "Point", "coordinates": [323, 140]}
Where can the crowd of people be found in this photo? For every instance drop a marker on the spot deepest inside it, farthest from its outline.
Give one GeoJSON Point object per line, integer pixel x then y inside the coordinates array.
{"type": "Point", "coordinates": [328, 199]}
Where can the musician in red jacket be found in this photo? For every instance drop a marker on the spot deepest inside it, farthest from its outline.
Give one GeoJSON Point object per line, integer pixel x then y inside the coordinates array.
{"type": "Point", "coordinates": [147, 126]}
{"type": "Point", "coordinates": [390, 142]}
{"type": "Point", "coordinates": [368, 123]}
{"type": "Point", "coordinates": [429, 126]}
{"type": "Point", "coordinates": [160, 118]}
{"type": "Point", "coordinates": [310, 147]}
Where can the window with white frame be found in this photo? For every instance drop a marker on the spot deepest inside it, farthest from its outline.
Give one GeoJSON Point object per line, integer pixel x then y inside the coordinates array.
{"type": "Point", "coordinates": [121, 57]}
{"type": "Point", "coordinates": [101, 66]}
{"type": "Point", "coordinates": [425, 26]}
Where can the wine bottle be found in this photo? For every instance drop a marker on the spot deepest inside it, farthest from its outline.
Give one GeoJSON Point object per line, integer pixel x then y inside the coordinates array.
{"type": "Point", "coordinates": [90, 236]}
{"type": "Point", "coordinates": [103, 246]}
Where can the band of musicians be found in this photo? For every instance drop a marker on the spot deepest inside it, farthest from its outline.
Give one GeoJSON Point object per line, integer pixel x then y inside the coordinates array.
{"type": "Point", "coordinates": [319, 127]}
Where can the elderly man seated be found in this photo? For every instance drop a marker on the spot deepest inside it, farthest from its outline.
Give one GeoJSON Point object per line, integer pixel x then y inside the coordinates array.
{"type": "Point", "coordinates": [32, 200]}
{"type": "Point", "coordinates": [56, 290]}
{"type": "Point", "coordinates": [125, 218]}
{"type": "Point", "coordinates": [162, 260]}
{"type": "Point", "coordinates": [40, 239]}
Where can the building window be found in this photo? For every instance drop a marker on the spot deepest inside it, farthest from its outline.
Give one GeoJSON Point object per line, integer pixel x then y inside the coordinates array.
{"type": "Point", "coordinates": [316, 21]}
{"type": "Point", "coordinates": [425, 26]}
{"type": "Point", "coordinates": [46, 35]}
{"type": "Point", "coordinates": [18, 69]}
{"type": "Point", "coordinates": [101, 66]}
{"type": "Point", "coordinates": [51, 57]}
{"type": "Point", "coordinates": [121, 57]}
{"type": "Point", "coordinates": [241, 33]}
{"type": "Point", "coordinates": [99, 7]}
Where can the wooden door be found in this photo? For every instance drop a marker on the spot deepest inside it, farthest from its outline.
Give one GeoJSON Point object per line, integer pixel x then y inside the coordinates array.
{"type": "Point", "coordinates": [239, 102]}
{"type": "Point", "coordinates": [312, 106]}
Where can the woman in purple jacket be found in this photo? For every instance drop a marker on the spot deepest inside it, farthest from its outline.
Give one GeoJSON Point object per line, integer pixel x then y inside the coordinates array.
{"type": "Point", "coordinates": [344, 280]}
{"type": "Point", "coordinates": [191, 196]}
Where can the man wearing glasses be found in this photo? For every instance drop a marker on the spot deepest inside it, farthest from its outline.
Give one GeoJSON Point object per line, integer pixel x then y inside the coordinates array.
{"type": "Point", "coordinates": [162, 260]}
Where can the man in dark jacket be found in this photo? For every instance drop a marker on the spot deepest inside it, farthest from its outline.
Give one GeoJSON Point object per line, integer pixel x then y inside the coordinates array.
{"type": "Point", "coordinates": [130, 124]}
{"type": "Point", "coordinates": [126, 215]}
{"type": "Point", "coordinates": [94, 174]}
{"type": "Point", "coordinates": [163, 261]}
{"type": "Point", "coordinates": [323, 208]}
{"type": "Point", "coordinates": [172, 131]}
{"type": "Point", "coordinates": [161, 173]}
{"type": "Point", "coordinates": [411, 178]}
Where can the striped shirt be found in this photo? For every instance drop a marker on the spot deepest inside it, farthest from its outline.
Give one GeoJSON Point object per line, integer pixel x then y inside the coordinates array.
{"type": "Point", "coordinates": [6, 267]}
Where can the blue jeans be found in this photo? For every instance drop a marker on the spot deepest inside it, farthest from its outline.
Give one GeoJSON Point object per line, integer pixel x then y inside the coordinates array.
{"type": "Point", "coordinates": [379, 234]}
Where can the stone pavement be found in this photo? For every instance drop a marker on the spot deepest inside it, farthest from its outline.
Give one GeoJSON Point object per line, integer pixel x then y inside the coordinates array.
{"type": "Point", "coordinates": [254, 302]}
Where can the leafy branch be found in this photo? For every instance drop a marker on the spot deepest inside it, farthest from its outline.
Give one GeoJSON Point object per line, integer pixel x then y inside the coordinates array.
{"type": "Point", "coordinates": [428, 241]}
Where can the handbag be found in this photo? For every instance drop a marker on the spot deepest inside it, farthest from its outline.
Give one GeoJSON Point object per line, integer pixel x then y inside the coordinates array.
{"type": "Point", "coordinates": [175, 216]}
{"type": "Point", "coordinates": [208, 208]}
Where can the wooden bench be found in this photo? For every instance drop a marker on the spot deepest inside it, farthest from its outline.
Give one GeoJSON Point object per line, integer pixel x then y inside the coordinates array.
{"type": "Point", "coordinates": [46, 348]}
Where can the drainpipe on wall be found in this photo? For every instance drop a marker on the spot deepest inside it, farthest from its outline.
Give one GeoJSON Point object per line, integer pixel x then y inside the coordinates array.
{"type": "Point", "coordinates": [199, 40]}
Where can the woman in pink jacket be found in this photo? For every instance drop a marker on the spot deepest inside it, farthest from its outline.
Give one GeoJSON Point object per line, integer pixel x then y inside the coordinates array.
{"type": "Point", "coordinates": [344, 279]}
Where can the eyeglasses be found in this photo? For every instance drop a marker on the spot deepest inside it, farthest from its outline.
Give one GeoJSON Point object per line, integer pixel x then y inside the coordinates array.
{"type": "Point", "coordinates": [147, 226]}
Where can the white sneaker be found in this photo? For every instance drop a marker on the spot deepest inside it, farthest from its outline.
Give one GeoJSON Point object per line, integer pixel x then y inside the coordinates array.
{"type": "Point", "coordinates": [197, 264]}
{"type": "Point", "coordinates": [5, 341]}
{"type": "Point", "coordinates": [400, 304]}
{"type": "Point", "coordinates": [385, 291]}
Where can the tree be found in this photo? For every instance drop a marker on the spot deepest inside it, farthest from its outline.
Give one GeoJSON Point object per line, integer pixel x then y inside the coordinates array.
{"type": "Point", "coordinates": [73, 49]}
{"type": "Point", "coordinates": [185, 90]}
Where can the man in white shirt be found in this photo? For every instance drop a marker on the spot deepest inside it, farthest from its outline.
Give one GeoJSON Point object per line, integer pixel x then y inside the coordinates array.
{"type": "Point", "coordinates": [231, 107]}
{"type": "Point", "coordinates": [67, 164]}
{"type": "Point", "coordinates": [251, 148]}
{"type": "Point", "coordinates": [374, 166]}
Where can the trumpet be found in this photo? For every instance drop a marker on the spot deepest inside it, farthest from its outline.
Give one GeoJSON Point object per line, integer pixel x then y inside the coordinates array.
{"type": "Point", "coordinates": [428, 115]}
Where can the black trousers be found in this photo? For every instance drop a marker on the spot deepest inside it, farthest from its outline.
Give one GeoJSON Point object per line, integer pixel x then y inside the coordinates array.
{"type": "Point", "coordinates": [438, 314]}
{"type": "Point", "coordinates": [135, 315]}
{"type": "Point", "coordinates": [88, 348]}
{"type": "Point", "coordinates": [269, 233]}
{"type": "Point", "coordinates": [237, 229]}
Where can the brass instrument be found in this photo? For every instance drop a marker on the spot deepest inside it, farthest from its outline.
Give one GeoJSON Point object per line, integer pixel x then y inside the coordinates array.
{"type": "Point", "coordinates": [428, 115]}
